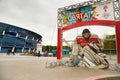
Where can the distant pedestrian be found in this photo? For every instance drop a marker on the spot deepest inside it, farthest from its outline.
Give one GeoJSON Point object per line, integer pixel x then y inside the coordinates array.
{"type": "Point", "coordinates": [46, 53]}
{"type": "Point", "coordinates": [39, 54]}
{"type": "Point", "coordinates": [8, 52]}
{"type": "Point", "coordinates": [13, 51]}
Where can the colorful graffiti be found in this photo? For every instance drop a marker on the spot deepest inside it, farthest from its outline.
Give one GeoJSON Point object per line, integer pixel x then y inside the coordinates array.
{"type": "Point", "coordinates": [80, 14]}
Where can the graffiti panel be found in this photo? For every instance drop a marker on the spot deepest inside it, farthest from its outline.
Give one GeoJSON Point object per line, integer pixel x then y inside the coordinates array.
{"type": "Point", "coordinates": [97, 11]}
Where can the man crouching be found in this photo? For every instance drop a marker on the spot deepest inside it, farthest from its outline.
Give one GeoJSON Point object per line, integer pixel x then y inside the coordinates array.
{"type": "Point", "coordinates": [87, 46]}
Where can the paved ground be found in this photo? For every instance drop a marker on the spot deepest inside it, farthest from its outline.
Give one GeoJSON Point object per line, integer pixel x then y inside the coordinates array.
{"type": "Point", "coordinates": [34, 68]}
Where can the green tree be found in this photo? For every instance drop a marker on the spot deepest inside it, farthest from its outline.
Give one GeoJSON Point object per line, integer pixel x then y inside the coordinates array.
{"type": "Point", "coordinates": [110, 42]}
{"type": "Point", "coordinates": [66, 47]}
{"type": "Point", "coordinates": [48, 48]}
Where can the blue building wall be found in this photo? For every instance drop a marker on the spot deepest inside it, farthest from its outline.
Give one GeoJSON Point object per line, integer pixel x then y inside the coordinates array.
{"type": "Point", "coordinates": [18, 38]}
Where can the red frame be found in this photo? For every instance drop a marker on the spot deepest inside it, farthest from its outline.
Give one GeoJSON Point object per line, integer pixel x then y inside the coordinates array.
{"type": "Point", "coordinates": [110, 23]}
{"type": "Point", "coordinates": [59, 43]}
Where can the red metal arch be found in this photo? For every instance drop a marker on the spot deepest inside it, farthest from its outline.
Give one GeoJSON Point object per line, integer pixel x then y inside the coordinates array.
{"type": "Point", "coordinates": [110, 23]}
{"type": "Point", "coordinates": [95, 22]}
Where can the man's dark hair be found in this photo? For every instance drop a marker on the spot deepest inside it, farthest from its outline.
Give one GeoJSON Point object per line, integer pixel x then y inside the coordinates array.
{"type": "Point", "coordinates": [85, 31]}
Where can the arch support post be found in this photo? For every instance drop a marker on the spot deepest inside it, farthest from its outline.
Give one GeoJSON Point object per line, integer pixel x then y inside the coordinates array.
{"type": "Point", "coordinates": [59, 44]}
{"type": "Point", "coordinates": [118, 40]}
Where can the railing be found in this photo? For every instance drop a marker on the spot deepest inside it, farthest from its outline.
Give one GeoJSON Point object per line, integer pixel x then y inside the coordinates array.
{"type": "Point", "coordinates": [109, 51]}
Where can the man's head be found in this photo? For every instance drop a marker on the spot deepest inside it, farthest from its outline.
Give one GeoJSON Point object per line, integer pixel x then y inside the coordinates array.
{"type": "Point", "coordinates": [86, 34]}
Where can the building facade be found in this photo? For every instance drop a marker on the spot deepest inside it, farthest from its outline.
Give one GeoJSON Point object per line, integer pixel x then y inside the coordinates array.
{"type": "Point", "coordinates": [18, 39]}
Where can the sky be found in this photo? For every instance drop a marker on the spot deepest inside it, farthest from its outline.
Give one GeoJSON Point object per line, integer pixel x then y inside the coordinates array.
{"type": "Point", "coordinates": [40, 16]}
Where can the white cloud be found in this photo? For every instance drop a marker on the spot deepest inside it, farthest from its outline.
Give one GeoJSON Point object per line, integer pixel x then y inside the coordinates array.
{"type": "Point", "coordinates": [38, 16]}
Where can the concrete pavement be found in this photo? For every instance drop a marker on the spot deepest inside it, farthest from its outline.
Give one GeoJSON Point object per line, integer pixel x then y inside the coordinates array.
{"type": "Point", "coordinates": [34, 68]}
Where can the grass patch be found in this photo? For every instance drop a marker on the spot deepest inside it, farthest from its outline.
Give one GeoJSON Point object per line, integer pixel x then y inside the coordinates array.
{"type": "Point", "coordinates": [66, 55]}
